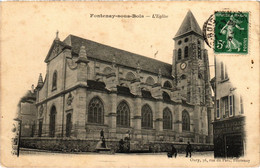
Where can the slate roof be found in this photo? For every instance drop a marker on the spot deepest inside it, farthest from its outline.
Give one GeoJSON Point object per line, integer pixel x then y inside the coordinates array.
{"type": "Point", "coordinates": [106, 53]}
{"type": "Point", "coordinates": [189, 24]}
{"type": "Point", "coordinates": [29, 97]}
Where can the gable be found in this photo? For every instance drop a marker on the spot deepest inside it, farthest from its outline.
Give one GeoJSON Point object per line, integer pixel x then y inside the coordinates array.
{"type": "Point", "coordinates": [56, 48]}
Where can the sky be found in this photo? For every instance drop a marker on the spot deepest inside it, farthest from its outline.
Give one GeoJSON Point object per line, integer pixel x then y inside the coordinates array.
{"type": "Point", "coordinates": [29, 28]}
{"type": "Point", "coordinates": [32, 27]}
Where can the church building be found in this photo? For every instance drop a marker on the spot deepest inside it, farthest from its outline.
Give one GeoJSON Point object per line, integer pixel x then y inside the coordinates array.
{"type": "Point", "coordinates": [91, 86]}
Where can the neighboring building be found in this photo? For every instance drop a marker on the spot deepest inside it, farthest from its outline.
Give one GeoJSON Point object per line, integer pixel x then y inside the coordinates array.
{"type": "Point", "coordinates": [229, 135]}
{"type": "Point", "coordinates": [91, 86]}
{"type": "Point", "coordinates": [27, 113]}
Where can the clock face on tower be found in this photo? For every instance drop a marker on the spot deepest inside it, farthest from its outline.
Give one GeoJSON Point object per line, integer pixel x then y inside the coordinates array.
{"type": "Point", "coordinates": [183, 65]}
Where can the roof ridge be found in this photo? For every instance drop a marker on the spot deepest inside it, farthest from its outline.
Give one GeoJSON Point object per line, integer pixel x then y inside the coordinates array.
{"type": "Point", "coordinates": [146, 57]}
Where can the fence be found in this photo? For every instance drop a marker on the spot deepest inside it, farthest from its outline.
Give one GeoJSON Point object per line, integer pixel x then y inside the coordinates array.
{"type": "Point", "coordinates": [93, 132]}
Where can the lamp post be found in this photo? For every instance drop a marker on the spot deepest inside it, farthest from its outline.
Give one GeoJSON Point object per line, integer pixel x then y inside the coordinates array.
{"type": "Point", "coordinates": [19, 134]}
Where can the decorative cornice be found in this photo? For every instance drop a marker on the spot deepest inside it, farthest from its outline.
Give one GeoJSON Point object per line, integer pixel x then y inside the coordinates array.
{"type": "Point", "coordinates": [81, 84]}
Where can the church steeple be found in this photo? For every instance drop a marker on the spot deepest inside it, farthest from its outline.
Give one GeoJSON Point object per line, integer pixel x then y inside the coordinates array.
{"type": "Point", "coordinates": [190, 61]}
{"type": "Point", "coordinates": [189, 25]}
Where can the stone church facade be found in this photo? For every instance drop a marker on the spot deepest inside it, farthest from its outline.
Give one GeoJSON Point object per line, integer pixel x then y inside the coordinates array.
{"type": "Point", "coordinates": [90, 86]}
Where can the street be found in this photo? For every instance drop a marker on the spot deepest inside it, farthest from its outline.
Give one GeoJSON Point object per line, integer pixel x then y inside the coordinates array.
{"type": "Point", "coordinates": [26, 151]}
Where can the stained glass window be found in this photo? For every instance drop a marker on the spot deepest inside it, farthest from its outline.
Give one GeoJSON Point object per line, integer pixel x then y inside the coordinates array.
{"type": "Point", "coordinates": [147, 117]}
{"type": "Point", "coordinates": [123, 113]}
{"type": "Point", "coordinates": [96, 111]}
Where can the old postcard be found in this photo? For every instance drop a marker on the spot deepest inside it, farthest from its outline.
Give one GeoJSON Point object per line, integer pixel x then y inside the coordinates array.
{"type": "Point", "coordinates": [129, 84]}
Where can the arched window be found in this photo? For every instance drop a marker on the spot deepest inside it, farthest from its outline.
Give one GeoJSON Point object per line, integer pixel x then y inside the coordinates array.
{"type": "Point", "coordinates": [54, 80]}
{"type": "Point", "coordinates": [199, 50]}
{"type": "Point", "coordinates": [130, 76]}
{"type": "Point", "coordinates": [150, 80]}
{"type": "Point", "coordinates": [167, 84]}
{"type": "Point", "coordinates": [147, 117]}
{"type": "Point", "coordinates": [167, 119]}
{"type": "Point", "coordinates": [107, 71]}
{"type": "Point", "coordinates": [179, 54]}
{"type": "Point", "coordinates": [123, 112]}
{"type": "Point", "coordinates": [166, 96]}
{"type": "Point", "coordinates": [185, 121]}
{"type": "Point", "coordinates": [96, 111]}
{"type": "Point", "coordinates": [52, 121]}
{"type": "Point", "coordinates": [186, 52]}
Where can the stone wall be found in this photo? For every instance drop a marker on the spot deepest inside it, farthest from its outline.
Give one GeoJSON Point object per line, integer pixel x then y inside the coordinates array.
{"type": "Point", "coordinates": [80, 145]}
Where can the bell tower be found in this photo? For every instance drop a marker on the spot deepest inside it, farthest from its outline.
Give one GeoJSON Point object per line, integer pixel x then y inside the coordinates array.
{"type": "Point", "coordinates": [190, 66]}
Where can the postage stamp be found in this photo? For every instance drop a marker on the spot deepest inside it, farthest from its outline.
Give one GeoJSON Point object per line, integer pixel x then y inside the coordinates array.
{"type": "Point", "coordinates": [231, 32]}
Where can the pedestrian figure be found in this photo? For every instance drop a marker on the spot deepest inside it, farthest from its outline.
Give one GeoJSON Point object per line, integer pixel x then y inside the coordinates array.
{"type": "Point", "coordinates": [102, 134]}
{"type": "Point", "coordinates": [121, 145]}
{"type": "Point", "coordinates": [188, 149]}
{"type": "Point", "coordinates": [173, 152]}
{"type": "Point", "coordinates": [103, 143]}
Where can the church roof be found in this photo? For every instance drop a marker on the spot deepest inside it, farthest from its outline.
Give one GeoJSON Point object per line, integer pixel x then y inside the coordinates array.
{"type": "Point", "coordinates": [29, 97]}
{"type": "Point", "coordinates": [188, 25]}
{"type": "Point", "coordinates": [106, 53]}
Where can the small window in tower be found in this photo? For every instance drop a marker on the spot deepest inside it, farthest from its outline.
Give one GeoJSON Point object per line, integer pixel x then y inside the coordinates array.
{"type": "Point", "coordinates": [183, 77]}
{"type": "Point", "coordinates": [179, 54]}
{"type": "Point", "coordinates": [200, 76]}
{"type": "Point", "coordinates": [199, 50]}
{"type": "Point", "coordinates": [179, 42]}
{"type": "Point", "coordinates": [186, 40]}
{"type": "Point", "coordinates": [186, 52]}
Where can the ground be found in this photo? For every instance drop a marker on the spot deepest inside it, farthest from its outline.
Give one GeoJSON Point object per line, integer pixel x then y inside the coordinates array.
{"type": "Point", "coordinates": [91, 159]}
{"type": "Point", "coordinates": [26, 151]}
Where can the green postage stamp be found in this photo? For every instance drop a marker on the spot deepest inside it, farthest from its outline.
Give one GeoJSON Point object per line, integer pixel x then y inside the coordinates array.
{"type": "Point", "coordinates": [231, 32]}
